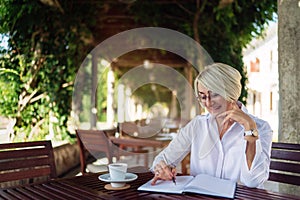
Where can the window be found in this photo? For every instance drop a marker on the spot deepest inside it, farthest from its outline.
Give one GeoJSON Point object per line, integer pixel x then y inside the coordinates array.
{"type": "Point", "coordinates": [254, 65]}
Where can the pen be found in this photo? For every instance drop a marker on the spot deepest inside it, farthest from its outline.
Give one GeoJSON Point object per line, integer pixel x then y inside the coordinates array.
{"type": "Point", "coordinates": [171, 166]}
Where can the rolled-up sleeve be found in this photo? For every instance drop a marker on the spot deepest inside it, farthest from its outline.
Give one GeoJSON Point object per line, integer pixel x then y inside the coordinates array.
{"type": "Point", "coordinates": [178, 148]}
{"type": "Point", "coordinates": [259, 170]}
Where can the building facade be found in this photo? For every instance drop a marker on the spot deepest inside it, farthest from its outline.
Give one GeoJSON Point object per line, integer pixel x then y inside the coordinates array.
{"type": "Point", "coordinates": [261, 61]}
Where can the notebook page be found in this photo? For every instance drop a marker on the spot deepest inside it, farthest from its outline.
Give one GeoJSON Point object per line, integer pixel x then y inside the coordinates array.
{"type": "Point", "coordinates": [210, 185]}
{"type": "Point", "coordinates": [167, 186]}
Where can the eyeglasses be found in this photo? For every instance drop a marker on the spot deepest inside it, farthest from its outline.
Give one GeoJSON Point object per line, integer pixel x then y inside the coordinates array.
{"type": "Point", "coordinates": [210, 96]}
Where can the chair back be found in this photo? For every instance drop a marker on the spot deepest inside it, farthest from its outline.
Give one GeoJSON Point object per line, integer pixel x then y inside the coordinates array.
{"type": "Point", "coordinates": [95, 142]}
{"type": "Point", "coordinates": [285, 163]}
{"type": "Point", "coordinates": [128, 128]}
{"type": "Point", "coordinates": [26, 160]}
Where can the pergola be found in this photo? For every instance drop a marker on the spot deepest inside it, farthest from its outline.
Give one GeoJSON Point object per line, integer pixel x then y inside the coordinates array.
{"type": "Point", "coordinates": [115, 19]}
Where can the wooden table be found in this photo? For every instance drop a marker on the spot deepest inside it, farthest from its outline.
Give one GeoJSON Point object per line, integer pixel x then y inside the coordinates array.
{"type": "Point", "coordinates": [89, 187]}
{"type": "Point", "coordinates": [139, 142]}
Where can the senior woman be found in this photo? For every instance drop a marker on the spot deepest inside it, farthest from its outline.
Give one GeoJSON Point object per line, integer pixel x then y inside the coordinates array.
{"type": "Point", "coordinates": [228, 142]}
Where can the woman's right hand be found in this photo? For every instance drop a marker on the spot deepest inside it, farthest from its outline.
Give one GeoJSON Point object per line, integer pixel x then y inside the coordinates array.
{"type": "Point", "coordinates": [163, 172]}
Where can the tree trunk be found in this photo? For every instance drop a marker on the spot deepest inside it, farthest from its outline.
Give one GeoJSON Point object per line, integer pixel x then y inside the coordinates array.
{"type": "Point", "coordinates": [289, 70]}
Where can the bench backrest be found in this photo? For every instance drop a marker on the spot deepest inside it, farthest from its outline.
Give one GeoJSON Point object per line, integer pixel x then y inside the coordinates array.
{"type": "Point", "coordinates": [26, 160]}
{"type": "Point", "coordinates": [285, 163]}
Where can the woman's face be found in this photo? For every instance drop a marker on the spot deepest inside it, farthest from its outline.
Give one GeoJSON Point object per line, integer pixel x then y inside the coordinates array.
{"type": "Point", "coordinates": [213, 102]}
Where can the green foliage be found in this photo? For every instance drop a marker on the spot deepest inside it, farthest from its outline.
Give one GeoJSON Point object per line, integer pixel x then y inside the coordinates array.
{"type": "Point", "coordinates": [45, 48]}
{"type": "Point", "coordinates": [84, 106]}
{"type": "Point", "coordinates": [223, 29]}
{"type": "Point", "coordinates": [47, 43]}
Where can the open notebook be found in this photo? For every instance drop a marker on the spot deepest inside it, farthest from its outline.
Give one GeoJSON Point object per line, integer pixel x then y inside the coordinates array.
{"type": "Point", "coordinates": [200, 184]}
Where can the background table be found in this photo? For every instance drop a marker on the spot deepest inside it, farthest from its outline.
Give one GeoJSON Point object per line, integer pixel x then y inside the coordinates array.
{"type": "Point", "coordinates": [139, 142]}
{"type": "Point", "coordinates": [151, 145]}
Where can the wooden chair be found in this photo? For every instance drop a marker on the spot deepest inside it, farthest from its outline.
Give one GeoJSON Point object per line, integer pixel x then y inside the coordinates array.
{"type": "Point", "coordinates": [285, 163]}
{"type": "Point", "coordinates": [95, 143]}
{"type": "Point", "coordinates": [26, 160]}
{"type": "Point", "coordinates": [132, 129]}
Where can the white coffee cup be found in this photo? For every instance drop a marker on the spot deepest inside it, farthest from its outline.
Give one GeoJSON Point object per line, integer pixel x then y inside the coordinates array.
{"type": "Point", "coordinates": [117, 172]}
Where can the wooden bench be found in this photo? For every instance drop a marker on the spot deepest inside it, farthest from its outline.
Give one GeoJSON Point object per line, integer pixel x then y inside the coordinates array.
{"type": "Point", "coordinates": [26, 160]}
{"type": "Point", "coordinates": [285, 163]}
{"type": "Point", "coordinates": [284, 166]}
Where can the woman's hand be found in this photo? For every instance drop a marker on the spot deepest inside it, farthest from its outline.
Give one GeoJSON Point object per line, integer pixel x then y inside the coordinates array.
{"type": "Point", "coordinates": [163, 172]}
{"type": "Point", "coordinates": [237, 115]}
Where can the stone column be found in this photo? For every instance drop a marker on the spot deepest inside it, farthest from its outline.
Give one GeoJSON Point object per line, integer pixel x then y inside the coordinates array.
{"type": "Point", "coordinates": [121, 103]}
{"type": "Point", "coordinates": [110, 98]}
{"type": "Point", "coordinates": [173, 108]}
{"type": "Point", "coordinates": [94, 92]}
{"type": "Point", "coordinates": [188, 94]}
{"type": "Point", "coordinates": [289, 70]}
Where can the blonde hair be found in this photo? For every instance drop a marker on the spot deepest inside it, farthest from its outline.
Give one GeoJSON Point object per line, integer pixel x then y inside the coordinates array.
{"type": "Point", "coordinates": [221, 79]}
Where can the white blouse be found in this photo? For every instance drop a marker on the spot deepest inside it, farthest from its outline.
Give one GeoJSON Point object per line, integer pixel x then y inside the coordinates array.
{"type": "Point", "coordinates": [225, 158]}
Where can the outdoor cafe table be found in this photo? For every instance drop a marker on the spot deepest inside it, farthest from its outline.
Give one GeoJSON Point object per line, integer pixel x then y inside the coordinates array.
{"type": "Point", "coordinates": [90, 187]}
{"type": "Point", "coordinates": [127, 141]}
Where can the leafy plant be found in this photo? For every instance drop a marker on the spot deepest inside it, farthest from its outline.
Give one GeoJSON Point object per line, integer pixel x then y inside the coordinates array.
{"type": "Point", "coordinates": [45, 47]}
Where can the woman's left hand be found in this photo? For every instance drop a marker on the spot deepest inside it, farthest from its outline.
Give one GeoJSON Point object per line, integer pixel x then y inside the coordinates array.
{"type": "Point", "coordinates": [237, 115]}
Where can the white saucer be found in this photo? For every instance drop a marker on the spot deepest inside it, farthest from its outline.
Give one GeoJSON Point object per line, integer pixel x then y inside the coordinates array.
{"type": "Point", "coordinates": [128, 177]}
